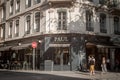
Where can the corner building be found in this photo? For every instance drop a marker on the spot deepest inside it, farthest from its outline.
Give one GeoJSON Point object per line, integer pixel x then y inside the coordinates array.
{"type": "Point", "coordinates": [66, 33]}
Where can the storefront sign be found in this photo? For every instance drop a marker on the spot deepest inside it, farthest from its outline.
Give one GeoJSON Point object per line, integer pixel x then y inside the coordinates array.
{"type": "Point", "coordinates": [61, 39]}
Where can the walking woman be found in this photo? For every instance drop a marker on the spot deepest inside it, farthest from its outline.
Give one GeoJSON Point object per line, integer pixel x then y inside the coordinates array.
{"type": "Point", "coordinates": [103, 65]}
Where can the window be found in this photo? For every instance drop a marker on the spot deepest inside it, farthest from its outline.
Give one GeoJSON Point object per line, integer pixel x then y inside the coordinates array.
{"type": "Point", "coordinates": [114, 3]}
{"type": "Point", "coordinates": [2, 32]}
{"type": "Point", "coordinates": [17, 5]}
{"type": "Point", "coordinates": [10, 30]}
{"type": "Point", "coordinates": [28, 3]}
{"type": "Point", "coordinates": [37, 22]}
{"type": "Point", "coordinates": [3, 14]}
{"type": "Point", "coordinates": [116, 25]}
{"type": "Point", "coordinates": [62, 20]}
{"type": "Point", "coordinates": [89, 16]}
{"type": "Point", "coordinates": [37, 1]}
{"type": "Point", "coordinates": [90, 0]}
{"type": "Point", "coordinates": [27, 26]}
{"type": "Point", "coordinates": [11, 6]}
{"type": "Point", "coordinates": [17, 28]}
{"type": "Point", "coordinates": [102, 1]}
{"type": "Point", "coordinates": [103, 23]}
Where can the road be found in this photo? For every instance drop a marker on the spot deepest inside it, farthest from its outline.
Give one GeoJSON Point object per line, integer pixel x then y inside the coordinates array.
{"type": "Point", "coordinates": [9, 75]}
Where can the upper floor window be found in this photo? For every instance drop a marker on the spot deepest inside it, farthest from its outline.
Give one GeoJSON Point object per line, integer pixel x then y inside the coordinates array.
{"type": "Point", "coordinates": [28, 3]}
{"type": "Point", "coordinates": [114, 3]}
{"type": "Point", "coordinates": [27, 24]}
{"type": "Point", "coordinates": [103, 23]}
{"type": "Point", "coordinates": [10, 30]}
{"type": "Point", "coordinates": [2, 32]}
{"type": "Point", "coordinates": [89, 15]}
{"type": "Point", "coordinates": [62, 20]}
{"type": "Point", "coordinates": [90, 0]}
{"type": "Point", "coordinates": [116, 25]}
{"type": "Point", "coordinates": [3, 14]}
{"type": "Point", "coordinates": [17, 5]}
{"type": "Point", "coordinates": [37, 1]}
{"type": "Point", "coordinates": [11, 6]}
{"type": "Point", "coordinates": [103, 1]}
{"type": "Point", "coordinates": [16, 28]}
{"type": "Point", "coordinates": [37, 22]}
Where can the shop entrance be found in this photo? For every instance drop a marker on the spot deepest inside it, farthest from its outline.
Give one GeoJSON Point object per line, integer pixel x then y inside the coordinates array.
{"type": "Point", "coordinates": [61, 59]}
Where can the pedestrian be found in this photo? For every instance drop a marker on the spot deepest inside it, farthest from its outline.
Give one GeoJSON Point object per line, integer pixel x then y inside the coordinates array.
{"type": "Point", "coordinates": [92, 65]}
{"type": "Point", "coordinates": [103, 65]}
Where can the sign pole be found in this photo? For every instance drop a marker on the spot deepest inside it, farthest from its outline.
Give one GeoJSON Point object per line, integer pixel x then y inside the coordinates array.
{"type": "Point", "coordinates": [34, 45]}
{"type": "Point", "coordinates": [33, 58]}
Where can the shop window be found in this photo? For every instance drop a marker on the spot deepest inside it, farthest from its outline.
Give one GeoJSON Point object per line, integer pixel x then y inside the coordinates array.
{"type": "Point", "coordinates": [11, 6]}
{"type": "Point", "coordinates": [37, 22]}
{"type": "Point", "coordinates": [28, 3]}
{"type": "Point", "coordinates": [89, 15]}
{"type": "Point", "coordinates": [27, 24]}
{"type": "Point", "coordinates": [17, 5]}
{"type": "Point", "coordinates": [17, 28]}
{"type": "Point", "coordinates": [103, 23]}
{"type": "Point", "coordinates": [62, 20]}
{"type": "Point", "coordinates": [10, 30]}
{"type": "Point", "coordinates": [116, 25]}
{"type": "Point", "coordinates": [61, 57]}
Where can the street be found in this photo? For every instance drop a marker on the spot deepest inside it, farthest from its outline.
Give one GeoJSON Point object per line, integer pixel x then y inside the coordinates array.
{"type": "Point", "coordinates": [8, 75]}
{"type": "Point", "coordinates": [55, 75]}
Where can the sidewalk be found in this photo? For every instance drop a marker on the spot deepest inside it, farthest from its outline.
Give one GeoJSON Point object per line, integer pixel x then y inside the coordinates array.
{"type": "Point", "coordinates": [77, 74]}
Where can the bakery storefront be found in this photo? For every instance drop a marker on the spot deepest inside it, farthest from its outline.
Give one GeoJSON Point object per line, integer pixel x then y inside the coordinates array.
{"type": "Point", "coordinates": [64, 52]}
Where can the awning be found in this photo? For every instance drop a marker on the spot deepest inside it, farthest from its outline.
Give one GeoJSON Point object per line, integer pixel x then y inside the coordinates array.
{"type": "Point", "coordinates": [59, 45]}
{"type": "Point", "coordinates": [5, 48]}
{"type": "Point", "coordinates": [23, 46]}
{"type": "Point", "coordinates": [107, 46]}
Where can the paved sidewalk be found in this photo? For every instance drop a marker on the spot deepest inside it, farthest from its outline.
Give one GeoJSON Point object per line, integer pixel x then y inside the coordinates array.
{"type": "Point", "coordinates": [77, 74]}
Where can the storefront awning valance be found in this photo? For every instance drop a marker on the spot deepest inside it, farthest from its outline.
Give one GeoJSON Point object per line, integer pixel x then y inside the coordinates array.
{"type": "Point", "coordinates": [59, 45]}
{"type": "Point", "coordinates": [23, 46]}
{"type": "Point", "coordinates": [5, 48]}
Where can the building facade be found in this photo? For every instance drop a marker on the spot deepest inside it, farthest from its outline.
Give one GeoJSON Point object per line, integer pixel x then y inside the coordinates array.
{"type": "Point", "coordinates": [67, 32]}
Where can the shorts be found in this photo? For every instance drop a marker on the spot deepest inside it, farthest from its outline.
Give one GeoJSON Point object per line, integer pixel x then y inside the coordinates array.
{"type": "Point", "coordinates": [92, 68]}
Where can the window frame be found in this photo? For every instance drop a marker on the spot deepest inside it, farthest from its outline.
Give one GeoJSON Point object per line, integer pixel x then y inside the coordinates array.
{"type": "Point", "coordinates": [17, 9]}
{"type": "Point", "coordinates": [36, 27]}
{"type": "Point", "coordinates": [17, 28]}
{"type": "Point", "coordinates": [103, 20]}
{"type": "Point", "coordinates": [27, 24]}
{"type": "Point", "coordinates": [116, 28]}
{"type": "Point", "coordinates": [62, 20]}
{"type": "Point", "coordinates": [89, 21]}
{"type": "Point", "coordinates": [28, 3]}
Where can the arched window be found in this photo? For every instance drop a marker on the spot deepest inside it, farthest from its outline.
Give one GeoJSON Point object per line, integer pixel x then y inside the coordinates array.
{"type": "Point", "coordinates": [89, 15]}
{"type": "Point", "coordinates": [103, 23]}
{"type": "Point", "coordinates": [27, 24]}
